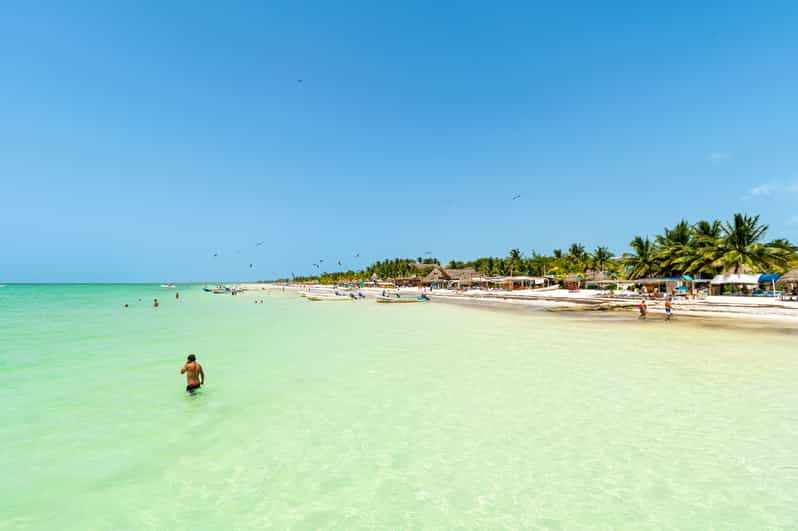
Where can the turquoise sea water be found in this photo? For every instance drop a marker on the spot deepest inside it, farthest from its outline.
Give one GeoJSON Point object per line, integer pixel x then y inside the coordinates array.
{"type": "Point", "coordinates": [365, 416]}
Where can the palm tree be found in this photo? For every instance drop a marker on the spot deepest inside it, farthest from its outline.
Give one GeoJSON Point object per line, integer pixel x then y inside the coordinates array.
{"type": "Point", "coordinates": [643, 263]}
{"type": "Point", "coordinates": [514, 259]}
{"type": "Point", "coordinates": [700, 255]}
{"type": "Point", "coordinates": [600, 257]}
{"type": "Point", "coordinates": [673, 246]}
{"type": "Point", "coordinates": [741, 247]}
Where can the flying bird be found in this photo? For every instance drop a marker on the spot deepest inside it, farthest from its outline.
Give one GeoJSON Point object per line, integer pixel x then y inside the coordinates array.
{"type": "Point", "coordinates": [518, 196]}
{"type": "Point", "coordinates": [316, 266]}
{"type": "Point", "coordinates": [357, 255]}
{"type": "Point", "coordinates": [299, 81]}
{"type": "Point", "coordinates": [250, 266]}
{"type": "Point", "coordinates": [258, 244]}
{"type": "Point", "coordinates": [339, 262]}
{"type": "Point", "coordinates": [215, 255]}
{"type": "Point", "coordinates": [320, 261]}
{"type": "Point", "coordinates": [427, 252]}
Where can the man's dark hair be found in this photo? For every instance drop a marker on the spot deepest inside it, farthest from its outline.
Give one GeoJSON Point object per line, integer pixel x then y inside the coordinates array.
{"type": "Point", "coordinates": [192, 357]}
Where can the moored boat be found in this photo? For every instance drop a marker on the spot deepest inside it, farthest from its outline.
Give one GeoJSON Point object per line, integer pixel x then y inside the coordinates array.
{"type": "Point", "coordinates": [399, 300]}
{"type": "Point", "coordinates": [327, 298]}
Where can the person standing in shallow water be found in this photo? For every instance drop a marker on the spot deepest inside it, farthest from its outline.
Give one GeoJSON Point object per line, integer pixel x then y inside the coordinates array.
{"type": "Point", "coordinates": [155, 303]}
{"type": "Point", "coordinates": [195, 376]}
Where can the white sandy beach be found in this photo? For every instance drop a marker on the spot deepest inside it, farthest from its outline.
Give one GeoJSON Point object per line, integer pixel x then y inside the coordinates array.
{"type": "Point", "coordinates": [745, 308]}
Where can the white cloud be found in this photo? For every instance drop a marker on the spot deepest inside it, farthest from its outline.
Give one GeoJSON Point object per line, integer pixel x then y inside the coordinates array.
{"type": "Point", "coordinates": [764, 189]}
{"type": "Point", "coordinates": [772, 188]}
{"type": "Point", "coordinates": [716, 157]}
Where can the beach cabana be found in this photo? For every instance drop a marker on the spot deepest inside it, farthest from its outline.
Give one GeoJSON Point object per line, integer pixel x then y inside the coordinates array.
{"type": "Point", "coordinates": [572, 282]}
{"type": "Point", "coordinates": [519, 282]}
{"type": "Point", "coordinates": [789, 283]}
{"type": "Point", "coordinates": [734, 284]}
{"type": "Point", "coordinates": [437, 278]}
{"type": "Point", "coordinates": [460, 278]}
{"type": "Point", "coordinates": [657, 286]}
{"type": "Point", "coordinates": [767, 285]}
{"type": "Point", "coordinates": [407, 282]}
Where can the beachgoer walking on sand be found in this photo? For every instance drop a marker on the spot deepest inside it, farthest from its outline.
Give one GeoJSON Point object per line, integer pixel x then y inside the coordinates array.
{"type": "Point", "coordinates": [643, 309]}
{"type": "Point", "coordinates": [195, 376]}
{"type": "Point", "coordinates": [668, 309]}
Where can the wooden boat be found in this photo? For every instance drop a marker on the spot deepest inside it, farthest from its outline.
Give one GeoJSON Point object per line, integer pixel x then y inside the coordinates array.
{"type": "Point", "coordinates": [399, 300]}
{"type": "Point", "coordinates": [327, 298]}
{"type": "Point", "coordinates": [217, 290]}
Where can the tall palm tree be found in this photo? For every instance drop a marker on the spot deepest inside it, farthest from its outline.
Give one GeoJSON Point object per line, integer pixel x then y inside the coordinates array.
{"type": "Point", "coordinates": [741, 246]}
{"type": "Point", "coordinates": [514, 259]}
{"type": "Point", "coordinates": [600, 257]}
{"type": "Point", "coordinates": [673, 246]}
{"type": "Point", "coordinates": [643, 263]}
{"type": "Point", "coordinates": [700, 255]}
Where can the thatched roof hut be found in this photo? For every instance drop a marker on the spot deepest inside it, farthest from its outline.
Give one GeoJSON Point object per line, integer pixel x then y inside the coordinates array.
{"type": "Point", "coordinates": [788, 278]}
{"type": "Point", "coordinates": [598, 276]}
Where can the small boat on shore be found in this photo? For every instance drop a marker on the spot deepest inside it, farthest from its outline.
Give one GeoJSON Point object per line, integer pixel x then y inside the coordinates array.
{"type": "Point", "coordinates": [316, 298]}
{"type": "Point", "coordinates": [399, 300]}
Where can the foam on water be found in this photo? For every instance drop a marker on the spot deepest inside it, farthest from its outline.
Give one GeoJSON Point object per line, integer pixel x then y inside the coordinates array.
{"type": "Point", "coordinates": [361, 415]}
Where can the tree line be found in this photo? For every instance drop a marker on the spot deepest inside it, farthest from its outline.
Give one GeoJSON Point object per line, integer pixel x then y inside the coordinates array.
{"type": "Point", "coordinates": [702, 249]}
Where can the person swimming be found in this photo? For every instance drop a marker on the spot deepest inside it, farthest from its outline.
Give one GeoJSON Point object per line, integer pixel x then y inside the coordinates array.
{"type": "Point", "coordinates": [195, 376]}
{"type": "Point", "coordinates": [155, 303]}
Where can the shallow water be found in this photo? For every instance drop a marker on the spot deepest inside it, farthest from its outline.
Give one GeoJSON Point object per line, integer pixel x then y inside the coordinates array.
{"type": "Point", "coordinates": [361, 415]}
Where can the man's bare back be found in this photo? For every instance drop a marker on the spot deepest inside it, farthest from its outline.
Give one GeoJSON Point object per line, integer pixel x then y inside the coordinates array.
{"type": "Point", "coordinates": [195, 376]}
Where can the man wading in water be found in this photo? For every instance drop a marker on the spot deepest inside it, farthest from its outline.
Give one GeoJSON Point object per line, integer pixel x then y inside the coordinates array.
{"type": "Point", "coordinates": [195, 376]}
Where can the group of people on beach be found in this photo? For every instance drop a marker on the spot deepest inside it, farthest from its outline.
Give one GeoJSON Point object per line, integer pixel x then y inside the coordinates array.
{"type": "Point", "coordinates": [643, 307]}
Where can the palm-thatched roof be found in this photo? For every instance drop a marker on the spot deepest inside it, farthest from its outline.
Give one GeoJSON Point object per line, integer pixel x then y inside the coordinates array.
{"type": "Point", "coordinates": [436, 274]}
{"type": "Point", "coordinates": [597, 276]}
{"type": "Point", "coordinates": [790, 277]}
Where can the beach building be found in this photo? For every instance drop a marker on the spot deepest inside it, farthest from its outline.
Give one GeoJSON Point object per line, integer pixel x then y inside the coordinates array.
{"type": "Point", "coordinates": [518, 282]}
{"type": "Point", "coordinates": [436, 279]}
{"type": "Point", "coordinates": [788, 282]}
{"type": "Point", "coordinates": [734, 284]}
{"type": "Point", "coordinates": [408, 282]}
{"type": "Point", "coordinates": [572, 282]}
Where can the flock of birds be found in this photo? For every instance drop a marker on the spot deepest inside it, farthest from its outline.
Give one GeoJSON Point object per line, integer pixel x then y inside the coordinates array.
{"type": "Point", "coordinates": [317, 264]}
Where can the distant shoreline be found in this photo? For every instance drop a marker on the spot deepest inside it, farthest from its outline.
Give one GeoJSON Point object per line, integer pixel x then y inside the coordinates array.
{"type": "Point", "coordinates": [594, 304]}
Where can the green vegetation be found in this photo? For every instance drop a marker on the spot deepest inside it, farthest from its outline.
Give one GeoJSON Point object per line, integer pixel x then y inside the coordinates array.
{"type": "Point", "coordinates": [703, 249]}
{"type": "Point", "coordinates": [709, 248]}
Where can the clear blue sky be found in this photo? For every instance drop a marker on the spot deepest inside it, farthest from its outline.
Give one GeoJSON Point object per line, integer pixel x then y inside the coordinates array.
{"type": "Point", "coordinates": [138, 138]}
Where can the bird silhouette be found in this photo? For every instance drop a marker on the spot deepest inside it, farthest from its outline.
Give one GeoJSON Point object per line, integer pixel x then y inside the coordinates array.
{"type": "Point", "coordinates": [250, 266]}
{"type": "Point", "coordinates": [518, 196]}
{"type": "Point", "coordinates": [258, 244]}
